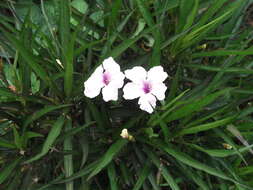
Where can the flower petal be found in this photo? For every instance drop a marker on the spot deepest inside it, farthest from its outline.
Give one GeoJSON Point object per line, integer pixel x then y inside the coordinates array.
{"type": "Point", "coordinates": [117, 80]}
{"type": "Point", "coordinates": [98, 72]}
{"type": "Point", "coordinates": [147, 103]}
{"type": "Point", "coordinates": [111, 66]}
{"type": "Point", "coordinates": [157, 74]}
{"type": "Point", "coordinates": [136, 74]}
{"type": "Point", "coordinates": [94, 84]}
{"type": "Point", "coordinates": [159, 89]}
{"type": "Point", "coordinates": [132, 91]}
{"type": "Point", "coordinates": [110, 93]}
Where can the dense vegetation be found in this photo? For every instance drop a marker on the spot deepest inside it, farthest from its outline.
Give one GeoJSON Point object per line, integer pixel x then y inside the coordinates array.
{"type": "Point", "coordinates": [52, 137]}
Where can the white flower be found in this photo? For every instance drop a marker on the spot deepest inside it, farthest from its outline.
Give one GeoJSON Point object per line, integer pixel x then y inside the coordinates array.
{"type": "Point", "coordinates": [147, 86]}
{"type": "Point", "coordinates": [107, 77]}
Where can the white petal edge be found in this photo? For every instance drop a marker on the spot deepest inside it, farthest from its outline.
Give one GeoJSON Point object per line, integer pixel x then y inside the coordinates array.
{"type": "Point", "coordinates": [117, 80]}
{"type": "Point", "coordinates": [137, 74]}
{"type": "Point", "coordinates": [111, 66]}
{"type": "Point", "coordinates": [92, 88]}
{"type": "Point", "coordinates": [159, 89]}
{"type": "Point", "coordinates": [98, 72]}
{"type": "Point", "coordinates": [110, 93]}
{"type": "Point", "coordinates": [93, 85]}
{"type": "Point", "coordinates": [147, 103]}
{"type": "Point", "coordinates": [132, 91]}
{"type": "Point", "coordinates": [157, 74]}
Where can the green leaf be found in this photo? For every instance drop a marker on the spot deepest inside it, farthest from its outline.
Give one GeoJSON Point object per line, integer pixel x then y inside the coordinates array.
{"type": "Point", "coordinates": [143, 175]}
{"type": "Point", "coordinates": [30, 59]}
{"type": "Point", "coordinates": [186, 159]}
{"type": "Point", "coordinates": [7, 93]}
{"type": "Point", "coordinates": [193, 106]}
{"type": "Point", "coordinates": [73, 131]}
{"type": "Point", "coordinates": [53, 134]}
{"type": "Point", "coordinates": [43, 112]}
{"type": "Point", "coordinates": [80, 5]}
{"type": "Point", "coordinates": [111, 171]}
{"type": "Point", "coordinates": [5, 172]}
{"type": "Point", "coordinates": [128, 42]}
{"type": "Point", "coordinates": [17, 138]}
{"type": "Point", "coordinates": [220, 69]}
{"type": "Point", "coordinates": [219, 152]}
{"type": "Point", "coordinates": [6, 144]}
{"type": "Point", "coordinates": [68, 159]}
{"type": "Point", "coordinates": [67, 44]}
{"type": "Point", "coordinates": [108, 156]}
{"type": "Point", "coordinates": [31, 134]}
{"type": "Point", "coordinates": [204, 127]}
{"type": "Point", "coordinates": [188, 12]}
{"type": "Point", "coordinates": [224, 52]}
{"type": "Point", "coordinates": [165, 172]}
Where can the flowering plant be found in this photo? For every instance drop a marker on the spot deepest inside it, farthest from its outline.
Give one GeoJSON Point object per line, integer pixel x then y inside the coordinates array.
{"type": "Point", "coordinates": [147, 86]}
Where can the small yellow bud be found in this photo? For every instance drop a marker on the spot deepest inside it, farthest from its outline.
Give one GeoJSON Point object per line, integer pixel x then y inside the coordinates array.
{"type": "Point", "coordinates": [227, 146]}
{"type": "Point", "coordinates": [124, 134]}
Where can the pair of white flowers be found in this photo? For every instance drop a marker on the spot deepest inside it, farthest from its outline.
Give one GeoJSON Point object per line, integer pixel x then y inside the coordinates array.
{"type": "Point", "coordinates": [148, 86]}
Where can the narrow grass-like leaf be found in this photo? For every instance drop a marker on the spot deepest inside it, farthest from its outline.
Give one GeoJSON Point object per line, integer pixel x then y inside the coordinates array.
{"type": "Point", "coordinates": [208, 15]}
{"type": "Point", "coordinates": [42, 112]}
{"type": "Point", "coordinates": [67, 45]}
{"type": "Point", "coordinates": [188, 13]}
{"type": "Point", "coordinates": [4, 174]}
{"type": "Point", "coordinates": [165, 173]}
{"type": "Point", "coordinates": [29, 58]}
{"type": "Point", "coordinates": [73, 131]}
{"type": "Point", "coordinates": [193, 106]}
{"type": "Point", "coordinates": [224, 52]}
{"type": "Point", "coordinates": [108, 156]}
{"type": "Point", "coordinates": [196, 177]}
{"type": "Point", "coordinates": [6, 144]}
{"type": "Point", "coordinates": [204, 127]}
{"type": "Point", "coordinates": [127, 43]}
{"type": "Point", "coordinates": [83, 172]}
{"type": "Point", "coordinates": [174, 86]}
{"type": "Point", "coordinates": [53, 134]}
{"type": "Point", "coordinates": [156, 54]}
{"type": "Point", "coordinates": [112, 176]}
{"type": "Point", "coordinates": [68, 159]}
{"type": "Point", "coordinates": [143, 175]}
{"type": "Point", "coordinates": [186, 159]}
{"type": "Point", "coordinates": [219, 152]}
{"type": "Point", "coordinates": [17, 138]}
{"type": "Point", "coordinates": [220, 69]}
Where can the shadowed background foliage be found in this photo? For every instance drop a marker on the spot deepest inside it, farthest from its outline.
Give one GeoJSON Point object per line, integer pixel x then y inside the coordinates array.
{"type": "Point", "coordinates": [53, 138]}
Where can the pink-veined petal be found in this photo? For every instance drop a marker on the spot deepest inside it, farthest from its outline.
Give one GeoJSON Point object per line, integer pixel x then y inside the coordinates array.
{"type": "Point", "coordinates": [159, 89]}
{"type": "Point", "coordinates": [136, 74]}
{"type": "Point", "coordinates": [111, 66]}
{"type": "Point", "coordinates": [93, 85]}
{"type": "Point", "coordinates": [132, 91]}
{"type": "Point", "coordinates": [110, 93]}
{"type": "Point", "coordinates": [147, 103]}
{"type": "Point", "coordinates": [117, 80]}
{"type": "Point", "coordinates": [157, 74]}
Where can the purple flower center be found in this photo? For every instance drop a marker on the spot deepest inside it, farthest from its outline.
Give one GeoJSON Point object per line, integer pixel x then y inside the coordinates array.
{"type": "Point", "coordinates": [146, 87]}
{"type": "Point", "coordinates": [106, 78]}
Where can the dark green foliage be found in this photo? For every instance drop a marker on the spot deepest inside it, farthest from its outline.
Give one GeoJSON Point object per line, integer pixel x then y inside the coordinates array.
{"type": "Point", "coordinates": [53, 137]}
